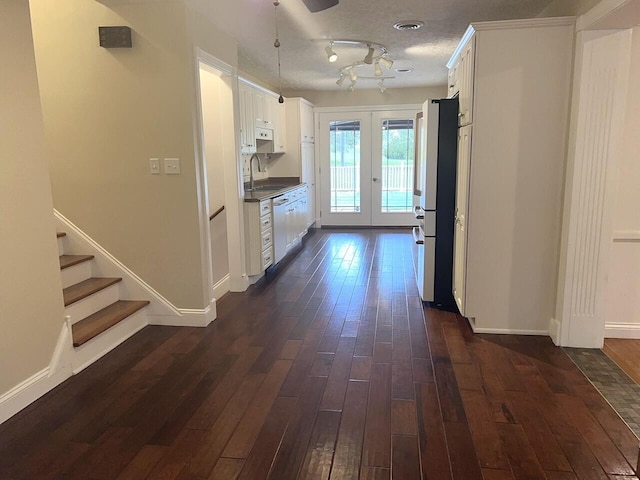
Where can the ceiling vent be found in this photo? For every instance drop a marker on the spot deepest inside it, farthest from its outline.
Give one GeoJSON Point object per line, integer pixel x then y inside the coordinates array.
{"type": "Point", "coordinates": [410, 25]}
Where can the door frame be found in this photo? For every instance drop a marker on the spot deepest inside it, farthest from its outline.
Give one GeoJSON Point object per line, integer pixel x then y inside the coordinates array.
{"type": "Point", "coordinates": [362, 217]}
{"type": "Point", "coordinates": [384, 218]}
{"type": "Point", "coordinates": [321, 178]}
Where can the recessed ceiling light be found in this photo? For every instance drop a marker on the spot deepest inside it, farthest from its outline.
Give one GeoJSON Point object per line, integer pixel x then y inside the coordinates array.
{"type": "Point", "coordinates": [403, 70]}
{"type": "Point", "coordinates": [408, 25]}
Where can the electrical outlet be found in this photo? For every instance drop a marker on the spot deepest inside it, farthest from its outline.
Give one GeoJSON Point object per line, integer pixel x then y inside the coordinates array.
{"type": "Point", "coordinates": [172, 166]}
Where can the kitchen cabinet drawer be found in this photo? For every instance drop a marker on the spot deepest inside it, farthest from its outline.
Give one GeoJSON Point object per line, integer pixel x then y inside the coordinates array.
{"type": "Point", "coordinates": [258, 223]}
{"type": "Point", "coordinates": [266, 239]}
{"type": "Point", "coordinates": [265, 222]}
{"type": "Point", "coordinates": [265, 207]}
{"type": "Point", "coordinates": [267, 258]}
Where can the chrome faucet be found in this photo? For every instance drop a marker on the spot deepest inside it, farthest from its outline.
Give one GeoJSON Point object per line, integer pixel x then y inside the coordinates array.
{"type": "Point", "coordinates": [257, 157]}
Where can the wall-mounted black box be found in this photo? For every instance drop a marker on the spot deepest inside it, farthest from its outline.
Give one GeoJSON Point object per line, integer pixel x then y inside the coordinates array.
{"type": "Point", "coordinates": [115, 37]}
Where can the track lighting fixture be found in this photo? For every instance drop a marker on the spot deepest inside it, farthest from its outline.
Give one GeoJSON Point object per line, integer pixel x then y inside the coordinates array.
{"type": "Point", "coordinates": [382, 86]}
{"type": "Point", "coordinates": [331, 55]}
{"type": "Point", "coordinates": [387, 63]}
{"type": "Point", "coordinates": [368, 59]}
{"type": "Point", "coordinates": [377, 56]}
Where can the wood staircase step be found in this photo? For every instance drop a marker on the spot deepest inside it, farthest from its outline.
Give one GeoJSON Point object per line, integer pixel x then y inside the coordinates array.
{"type": "Point", "coordinates": [67, 261]}
{"type": "Point", "coordinates": [99, 322]}
{"type": "Point", "coordinates": [60, 234]}
{"type": "Point", "coordinates": [87, 287]}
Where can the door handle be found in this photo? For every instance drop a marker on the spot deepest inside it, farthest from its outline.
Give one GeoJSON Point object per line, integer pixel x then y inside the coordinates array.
{"type": "Point", "coordinates": [375, 179]}
{"type": "Point", "coordinates": [417, 237]}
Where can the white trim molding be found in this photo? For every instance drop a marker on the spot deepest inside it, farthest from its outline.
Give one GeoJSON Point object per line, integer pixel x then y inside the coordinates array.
{"type": "Point", "coordinates": [28, 391]}
{"type": "Point", "coordinates": [222, 286]}
{"type": "Point", "coordinates": [601, 77]}
{"type": "Point", "coordinates": [626, 236]}
{"type": "Point", "coordinates": [622, 330]}
{"type": "Point", "coordinates": [34, 387]}
{"type": "Point", "coordinates": [188, 317]}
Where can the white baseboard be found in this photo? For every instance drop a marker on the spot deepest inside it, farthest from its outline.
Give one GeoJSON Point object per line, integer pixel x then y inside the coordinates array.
{"type": "Point", "coordinates": [554, 331]}
{"type": "Point", "coordinates": [622, 330]}
{"type": "Point", "coordinates": [239, 284]}
{"type": "Point", "coordinates": [31, 389]}
{"type": "Point", "coordinates": [505, 331]}
{"type": "Point", "coordinates": [222, 287]}
{"type": "Point", "coordinates": [187, 317]}
{"type": "Point", "coordinates": [27, 392]}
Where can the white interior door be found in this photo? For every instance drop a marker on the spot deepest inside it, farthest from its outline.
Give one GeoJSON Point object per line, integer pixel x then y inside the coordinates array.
{"type": "Point", "coordinates": [393, 139]}
{"type": "Point", "coordinates": [345, 156]}
{"type": "Point", "coordinates": [460, 231]}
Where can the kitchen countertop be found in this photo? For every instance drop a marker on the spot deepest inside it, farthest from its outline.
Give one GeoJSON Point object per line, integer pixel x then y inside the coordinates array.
{"type": "Point", "coordinates": [288, 183]}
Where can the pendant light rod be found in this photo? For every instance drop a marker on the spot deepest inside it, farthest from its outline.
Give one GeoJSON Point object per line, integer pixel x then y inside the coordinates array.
{"type": "Point", "coordinates": [276, 44]}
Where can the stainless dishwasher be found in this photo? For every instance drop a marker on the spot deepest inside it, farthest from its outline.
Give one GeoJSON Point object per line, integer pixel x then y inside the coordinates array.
{"type": "Point", "coordinates": [280, 208]}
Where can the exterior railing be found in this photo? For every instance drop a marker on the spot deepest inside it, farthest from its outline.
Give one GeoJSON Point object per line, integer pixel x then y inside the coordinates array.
{"type": "Point", "coordinates": [394, 177]}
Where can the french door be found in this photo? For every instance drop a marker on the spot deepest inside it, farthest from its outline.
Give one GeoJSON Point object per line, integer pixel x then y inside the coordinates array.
{"type": "Point", "coordinates": [366, 168]}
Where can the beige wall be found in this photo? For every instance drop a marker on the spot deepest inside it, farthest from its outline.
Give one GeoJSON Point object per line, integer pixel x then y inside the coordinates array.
{"type": "Point", "coordinates": [30, 288]}
{"type": "Point", "coordinates": [106, 112]}
{"type": "Point", "coordinates": [363, 97]}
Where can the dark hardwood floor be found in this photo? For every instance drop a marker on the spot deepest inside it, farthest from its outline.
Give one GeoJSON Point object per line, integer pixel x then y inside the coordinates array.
{"type": "Point", "coordinates": [329, 369]}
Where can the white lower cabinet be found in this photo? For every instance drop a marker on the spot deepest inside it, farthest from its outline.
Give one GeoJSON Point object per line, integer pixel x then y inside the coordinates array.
{"type": "Point", "coordinates": [259, 230]}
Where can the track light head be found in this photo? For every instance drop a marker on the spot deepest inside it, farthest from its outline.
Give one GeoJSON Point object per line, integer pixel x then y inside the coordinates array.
{"type": "Point", "coordinates": [386, 62]}
{"type": "Point", "coordinates": [331, 55]}
{"type": "Point", "coordinates": [382, 86]}
{"type": "Point", "coordinates": [341, 80]}
{"type": "Point", "coordinates": [353, 76]}
{"type": "Point", "coordinates": [377, 70]}
{"type": "Point", "coordinates": [368, 59]}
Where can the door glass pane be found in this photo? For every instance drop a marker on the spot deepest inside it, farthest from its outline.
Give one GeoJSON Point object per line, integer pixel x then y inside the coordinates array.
{"type": "Point", "coordinates": [344, 161]}
{"type": "Point", "coordinates": [397, 165]}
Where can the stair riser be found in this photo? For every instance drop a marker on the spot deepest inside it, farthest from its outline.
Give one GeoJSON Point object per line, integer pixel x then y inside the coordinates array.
{"type": "Point", "coordinates": [90, 305]}
{"type": "Point", "coordinates": [76, 274]}
{"type": "Point", "coordinates": [60, 246]}
{"type": "Point", "coordinates": [95, 348]}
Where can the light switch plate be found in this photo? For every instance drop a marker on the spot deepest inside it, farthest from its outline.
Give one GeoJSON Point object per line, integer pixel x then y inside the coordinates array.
{"type": "Point", "coordinates": [154, 165]}
{"type": "Point", "coordinates": [172, 166]}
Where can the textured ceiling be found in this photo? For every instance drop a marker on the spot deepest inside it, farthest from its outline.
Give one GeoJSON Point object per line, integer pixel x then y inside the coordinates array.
{"type": "Point", "coordinates": [304, 62]}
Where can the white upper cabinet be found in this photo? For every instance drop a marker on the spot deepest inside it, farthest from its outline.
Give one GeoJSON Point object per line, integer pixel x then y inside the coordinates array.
{"type": "Point", "coordinates": [452, 85]}
{"type": "Point", "coordinates": [461, 78]}
{"type": "Point", "coordinates": [247, 122]}
{"type": "Point", "coordinates": [280, 129]}
{"type": "Point", "coordinates": [307, 132]}
{"type": "Point", "coordinates": [259, 108]}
